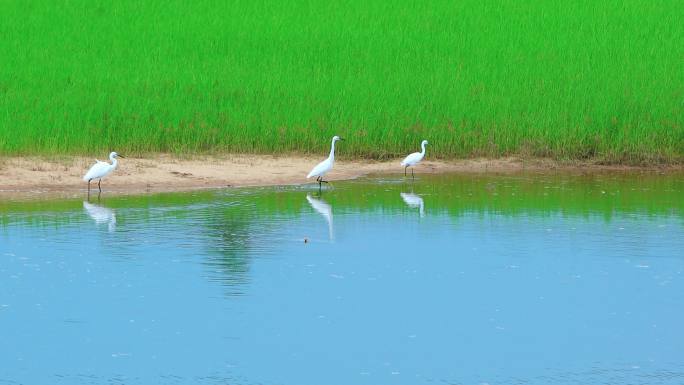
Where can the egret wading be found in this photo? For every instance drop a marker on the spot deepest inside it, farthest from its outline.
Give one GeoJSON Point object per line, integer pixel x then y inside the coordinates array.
{"type": "Point", "coordinates": [322, 168]}
{"type": "Point", "coordinates": [414, 158]}
{"type": "Point", "coordinates": [101, 170]}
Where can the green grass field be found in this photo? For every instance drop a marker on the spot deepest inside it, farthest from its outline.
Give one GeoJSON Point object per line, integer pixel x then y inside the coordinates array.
{"type": "Point", "coordinates": [566, 79]}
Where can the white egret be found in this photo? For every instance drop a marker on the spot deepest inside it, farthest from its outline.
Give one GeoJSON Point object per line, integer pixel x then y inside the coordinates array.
{"type": "Point", "coordinates": [322, 168]}
{"type": "Point", "coordinates": [414, 158]}
{"type": "Point", "coordinates": [414, 201]}
{"type": "Point", "coordinates": [325, 210]}
{"type": "Point", "coordinates": [100, 170]}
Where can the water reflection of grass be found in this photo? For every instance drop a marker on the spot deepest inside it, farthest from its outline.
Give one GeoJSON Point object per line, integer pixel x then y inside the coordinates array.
{"type": "Point", "coordinates": [236, 224]}
{"type": "Point", "coordinates": [230, 240]}
{"type": "Point", "coordinates": [602, 194]}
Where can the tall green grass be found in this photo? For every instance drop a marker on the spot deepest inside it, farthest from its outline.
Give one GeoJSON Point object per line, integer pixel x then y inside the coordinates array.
{"type": "Point", "coordinates": [566, 79]}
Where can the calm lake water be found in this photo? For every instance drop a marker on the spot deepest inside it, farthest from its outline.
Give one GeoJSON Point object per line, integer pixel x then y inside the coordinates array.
{"type": "Point", "coordinates": [470, 279]}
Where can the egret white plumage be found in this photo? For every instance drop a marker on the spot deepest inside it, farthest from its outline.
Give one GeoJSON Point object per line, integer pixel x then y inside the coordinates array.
{"type": "Point", "coordinates": [100, 170]}
{"type": "Point", "coordinates": [322, 168]}
{"type": "Point", "coordinates": [414, 158]}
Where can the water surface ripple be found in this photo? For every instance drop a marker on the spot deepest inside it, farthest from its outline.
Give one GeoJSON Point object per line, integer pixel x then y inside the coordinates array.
{"type": "Point", "coordinates": [451, 279]}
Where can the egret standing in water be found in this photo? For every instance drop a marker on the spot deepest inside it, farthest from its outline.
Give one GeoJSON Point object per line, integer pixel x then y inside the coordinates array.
{"type": "Point", "coordinates": [322, 168]}
{"type": "Point", "coordinates": [414, 158]}
{"type": "Point", "coordinates": [100, 170]}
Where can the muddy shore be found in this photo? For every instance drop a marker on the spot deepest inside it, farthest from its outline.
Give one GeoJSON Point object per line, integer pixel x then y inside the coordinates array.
{"type": "Point", "coordinates": [26, 178]}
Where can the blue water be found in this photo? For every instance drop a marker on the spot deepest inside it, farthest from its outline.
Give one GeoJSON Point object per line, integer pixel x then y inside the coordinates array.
{"type": "Point", "coordinates": [285, 286]}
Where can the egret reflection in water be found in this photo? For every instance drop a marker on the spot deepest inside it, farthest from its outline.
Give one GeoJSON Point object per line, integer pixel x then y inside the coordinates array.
{"type": "Point", "coordinates": [325, 210]}
{"type": "Point", "coordinates": [101, 215]}
{"type": "Point", "coordinates": [222, 274]}
{"type": "Point", "coordinates": [414, 201]}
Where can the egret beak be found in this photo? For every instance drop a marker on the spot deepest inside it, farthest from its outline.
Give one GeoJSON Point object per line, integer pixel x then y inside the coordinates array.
{"type": "Point", "coordinates": [341, 138]}
{"type": "Point", "coordinates": [120, 156]}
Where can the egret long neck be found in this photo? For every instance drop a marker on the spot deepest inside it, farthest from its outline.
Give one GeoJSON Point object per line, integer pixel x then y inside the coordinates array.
{"type": "Point", "coordinates": [114, 161]}
{"type": "Point", "coordinates": [332, 151]}
{"type": "Point", "coordinates": [422, 145]}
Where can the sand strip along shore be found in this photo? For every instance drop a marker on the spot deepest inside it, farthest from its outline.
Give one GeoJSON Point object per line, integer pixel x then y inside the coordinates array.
{"type": "Point", "coordinates": [27, 177]}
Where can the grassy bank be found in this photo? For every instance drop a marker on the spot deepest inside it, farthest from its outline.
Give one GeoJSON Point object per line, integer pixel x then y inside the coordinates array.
{"type": "Point", "coordinates": [566, 79]}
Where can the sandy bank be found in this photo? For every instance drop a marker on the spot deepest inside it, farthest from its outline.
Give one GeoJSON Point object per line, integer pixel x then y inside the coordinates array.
{"type": "Point", "coordinates": [35, 177]}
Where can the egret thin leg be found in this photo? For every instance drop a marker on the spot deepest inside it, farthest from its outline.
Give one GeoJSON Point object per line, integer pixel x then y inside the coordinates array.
{"type": "Point", "coordinates": [412, 175]}
{"type": "Point", "coordinates": [98, 185]}
{"type": "Point", "coordinates": [405, 170]}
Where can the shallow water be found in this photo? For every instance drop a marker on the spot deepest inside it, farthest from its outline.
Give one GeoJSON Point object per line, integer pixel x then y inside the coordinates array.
{"type": "Point", "coordinates": [475, 279]}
